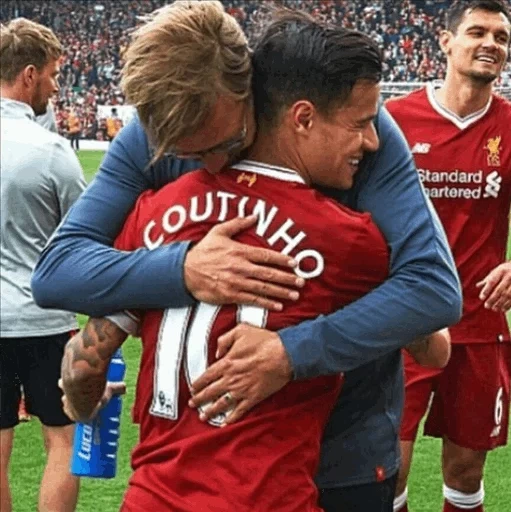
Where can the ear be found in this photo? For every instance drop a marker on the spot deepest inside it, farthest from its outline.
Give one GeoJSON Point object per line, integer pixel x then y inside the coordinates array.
{"type": "Point", "coordinates": [29, 75]}
{"type": "Point", "coordinates": [445, 40]}
{"type": "Point", "coordinates": [302, 113]}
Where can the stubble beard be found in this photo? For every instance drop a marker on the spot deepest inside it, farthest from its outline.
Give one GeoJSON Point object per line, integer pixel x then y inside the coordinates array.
{"type": "Point", "coordinates": [39, 105]}
{"type": "Point", "coordinates": [481, 78]}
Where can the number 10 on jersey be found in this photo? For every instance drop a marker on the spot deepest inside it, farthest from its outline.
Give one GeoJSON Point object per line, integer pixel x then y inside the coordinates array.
{"type": "Point", "coordinates": [186, 332]}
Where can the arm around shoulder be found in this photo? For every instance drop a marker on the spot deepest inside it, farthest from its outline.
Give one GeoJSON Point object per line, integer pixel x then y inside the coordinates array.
{"type": "Point", "coordinates": [422, 294]}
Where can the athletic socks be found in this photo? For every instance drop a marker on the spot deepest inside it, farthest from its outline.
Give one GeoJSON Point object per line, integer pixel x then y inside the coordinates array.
{"type": "Point", "coordinates": [456, 501]}
{"type": "Point", "coordinates": [400, 502]}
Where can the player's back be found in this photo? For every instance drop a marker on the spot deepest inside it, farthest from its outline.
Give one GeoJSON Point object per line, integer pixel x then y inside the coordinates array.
{"type": "Point", "coordinates": [267, 461]}
{"type": "Point", "coordinates": [464, 165]}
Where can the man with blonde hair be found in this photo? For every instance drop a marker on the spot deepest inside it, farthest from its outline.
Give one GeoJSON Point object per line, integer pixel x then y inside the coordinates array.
{"type": "Point", "coordinates": [362, 339]}
{"type": "Point", "coordinates": [40, 180]}
{"type": "Point", "coordinates": [167, 51]}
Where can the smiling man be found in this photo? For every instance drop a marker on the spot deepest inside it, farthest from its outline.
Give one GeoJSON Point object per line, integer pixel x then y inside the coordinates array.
{"type": "Point", "coordinates": [460, 134]}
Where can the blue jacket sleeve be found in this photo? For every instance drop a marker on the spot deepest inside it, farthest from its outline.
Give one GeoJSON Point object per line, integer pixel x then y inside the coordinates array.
{"type": "Point", "coordinates": [423, 292]}
{"type": "Point", "coordinates": [80, 271]}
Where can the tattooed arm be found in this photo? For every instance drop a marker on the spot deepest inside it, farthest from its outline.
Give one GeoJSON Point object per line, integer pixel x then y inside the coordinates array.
{"type": "Point", "coordinates": [433, 350]}
{"type": "Point", "coordinates": [84, 368]}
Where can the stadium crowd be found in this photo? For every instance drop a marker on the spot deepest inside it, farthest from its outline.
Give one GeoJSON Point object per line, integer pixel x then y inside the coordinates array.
{"type": "Point", "coordinates": [95, 35]}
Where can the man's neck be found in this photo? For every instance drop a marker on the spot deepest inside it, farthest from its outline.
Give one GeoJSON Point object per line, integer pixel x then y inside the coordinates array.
{"type": "Point", "coordinates": [462, 95]}
{"type": "Point", "coordinates": [273, 150]}
{"type": "Point", "coordinates": [10, 92]}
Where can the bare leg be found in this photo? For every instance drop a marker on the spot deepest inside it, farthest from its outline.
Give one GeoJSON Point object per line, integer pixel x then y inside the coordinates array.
{"type": "Point", "coordinates": [463, 468]}
{"type": "Point", "coordinates": [59, 488]}
{"type": "Point", "coordinates": [406, 450]}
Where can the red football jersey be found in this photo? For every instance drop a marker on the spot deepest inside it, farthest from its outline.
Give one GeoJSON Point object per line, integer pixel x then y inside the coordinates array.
{"type": "Point", "coordinates": [464, 165]}
{"type": "Point", "coordinates": [266, 461]}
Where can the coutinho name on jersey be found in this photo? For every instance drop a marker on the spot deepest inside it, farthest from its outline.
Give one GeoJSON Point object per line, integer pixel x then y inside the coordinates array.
{"type": "Point", "coordinates": [460, 185]}
{"type": "Point", "coordinates": [214, 206]}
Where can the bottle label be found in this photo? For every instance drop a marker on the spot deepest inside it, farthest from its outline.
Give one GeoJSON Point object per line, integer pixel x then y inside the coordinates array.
{"type": "Point", "coordinates": [86, 442]}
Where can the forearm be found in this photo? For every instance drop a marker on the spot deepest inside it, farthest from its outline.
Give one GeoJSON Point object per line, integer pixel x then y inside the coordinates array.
{"type": "Point", "coordinates": [385, 320]}
{"type": "Point", "coordinates": [85, 364]}
{"type": "Point", "coordinates": [105, 280]}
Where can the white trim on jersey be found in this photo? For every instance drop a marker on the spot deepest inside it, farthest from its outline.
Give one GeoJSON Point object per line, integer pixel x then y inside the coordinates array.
{"type": "Point", "coordinates": [460, 122]}
{"type": "Point", "coordinates": [272, 171]}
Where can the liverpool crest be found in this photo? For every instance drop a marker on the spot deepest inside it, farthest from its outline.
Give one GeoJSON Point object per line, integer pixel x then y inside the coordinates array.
{"type": "Point", "coordinates": [493, 151]}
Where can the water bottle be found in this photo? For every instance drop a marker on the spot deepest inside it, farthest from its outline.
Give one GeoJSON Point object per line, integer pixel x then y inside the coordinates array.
{"type": "Point", "coordinates": [95, 443]}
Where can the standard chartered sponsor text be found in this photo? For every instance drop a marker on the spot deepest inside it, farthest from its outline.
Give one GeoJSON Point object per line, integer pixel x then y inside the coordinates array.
{"type": "Point", "coordinates": [454, 184]}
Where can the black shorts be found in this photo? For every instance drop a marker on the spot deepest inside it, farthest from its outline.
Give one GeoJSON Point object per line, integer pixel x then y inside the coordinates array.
{"type": "Point", "coordinates": [372, 497]}
{"type": "Point", "coordinates": [33, 363]}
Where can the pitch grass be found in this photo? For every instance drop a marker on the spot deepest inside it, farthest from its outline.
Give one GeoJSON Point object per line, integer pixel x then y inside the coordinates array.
{"type": "Point", "coordinates": [106, 495]}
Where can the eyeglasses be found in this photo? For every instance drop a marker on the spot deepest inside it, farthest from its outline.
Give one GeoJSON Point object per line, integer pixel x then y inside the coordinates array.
{"type": "Point", "coordinates": [229, 146]}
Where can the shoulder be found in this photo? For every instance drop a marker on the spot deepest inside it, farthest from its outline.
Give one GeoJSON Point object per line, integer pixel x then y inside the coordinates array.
{"type": "Point", "coordinates": [184, 187]}
{"type": "Point", "coordinates": [354, 225]}
{"type": "Point", "coordinates": [403, 104]}
{"type": "Point", "coordinates": [49, 144]}
{"type": "Point", "coordinates": [502, 107]}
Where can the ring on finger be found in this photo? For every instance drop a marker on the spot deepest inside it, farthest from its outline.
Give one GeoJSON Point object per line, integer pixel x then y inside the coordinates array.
{"type": "Point", "coordinates": [228, 398]}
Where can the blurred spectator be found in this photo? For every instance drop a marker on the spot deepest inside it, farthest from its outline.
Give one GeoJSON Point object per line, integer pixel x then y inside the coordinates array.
{"type": "Point", "coordinates": [96, 35]}
{"type": "Point", "coordinates": [113, 124]}
{"type": "Point", "coordinates": [74, 129]}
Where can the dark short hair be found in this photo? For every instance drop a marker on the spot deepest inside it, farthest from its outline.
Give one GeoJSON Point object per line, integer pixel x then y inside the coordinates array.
{"type": "Point", "coordinates": [458, 8]}
{"type": "Point", "coordinates": [299, 57]}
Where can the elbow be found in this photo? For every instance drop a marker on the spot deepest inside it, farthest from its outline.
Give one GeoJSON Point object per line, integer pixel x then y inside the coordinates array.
{"type": "Point", "coordinates": [438, 350]}
{"type": "Point", "coordinates": [56, 277]}
{"type": "Point", "coordinates": [54, 291]}
{"type": "Point", "coordinates": [450, 297]}
{"type": "Point", "coordinates": [454, 308]}
{"type": "Point", "coordinates": [441, 358]}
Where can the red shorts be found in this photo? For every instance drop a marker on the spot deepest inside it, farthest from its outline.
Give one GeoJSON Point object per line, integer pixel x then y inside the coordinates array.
{"type": "Point", "coordinates": [471, 397]}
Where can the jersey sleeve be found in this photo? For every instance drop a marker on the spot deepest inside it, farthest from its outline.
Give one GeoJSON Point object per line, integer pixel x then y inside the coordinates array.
{"type": "Point", "coordinates": [80, 271]}
{"type": "Point", "coordinates": [423, 292]}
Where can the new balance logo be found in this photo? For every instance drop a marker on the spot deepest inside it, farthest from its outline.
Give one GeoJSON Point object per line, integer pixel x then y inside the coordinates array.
{"type": "Point", "coordinates": [421, 148]}
{"type": "Point", "coordinates": [249, 178]}
{"type": "Point", "coordinates": [493, 185]}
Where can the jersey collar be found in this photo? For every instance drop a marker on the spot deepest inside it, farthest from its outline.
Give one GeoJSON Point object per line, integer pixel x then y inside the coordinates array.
{"type": "Point", "coordinates": [460, 122]}
{"type": "Point", "coordinates": [272, 171]}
